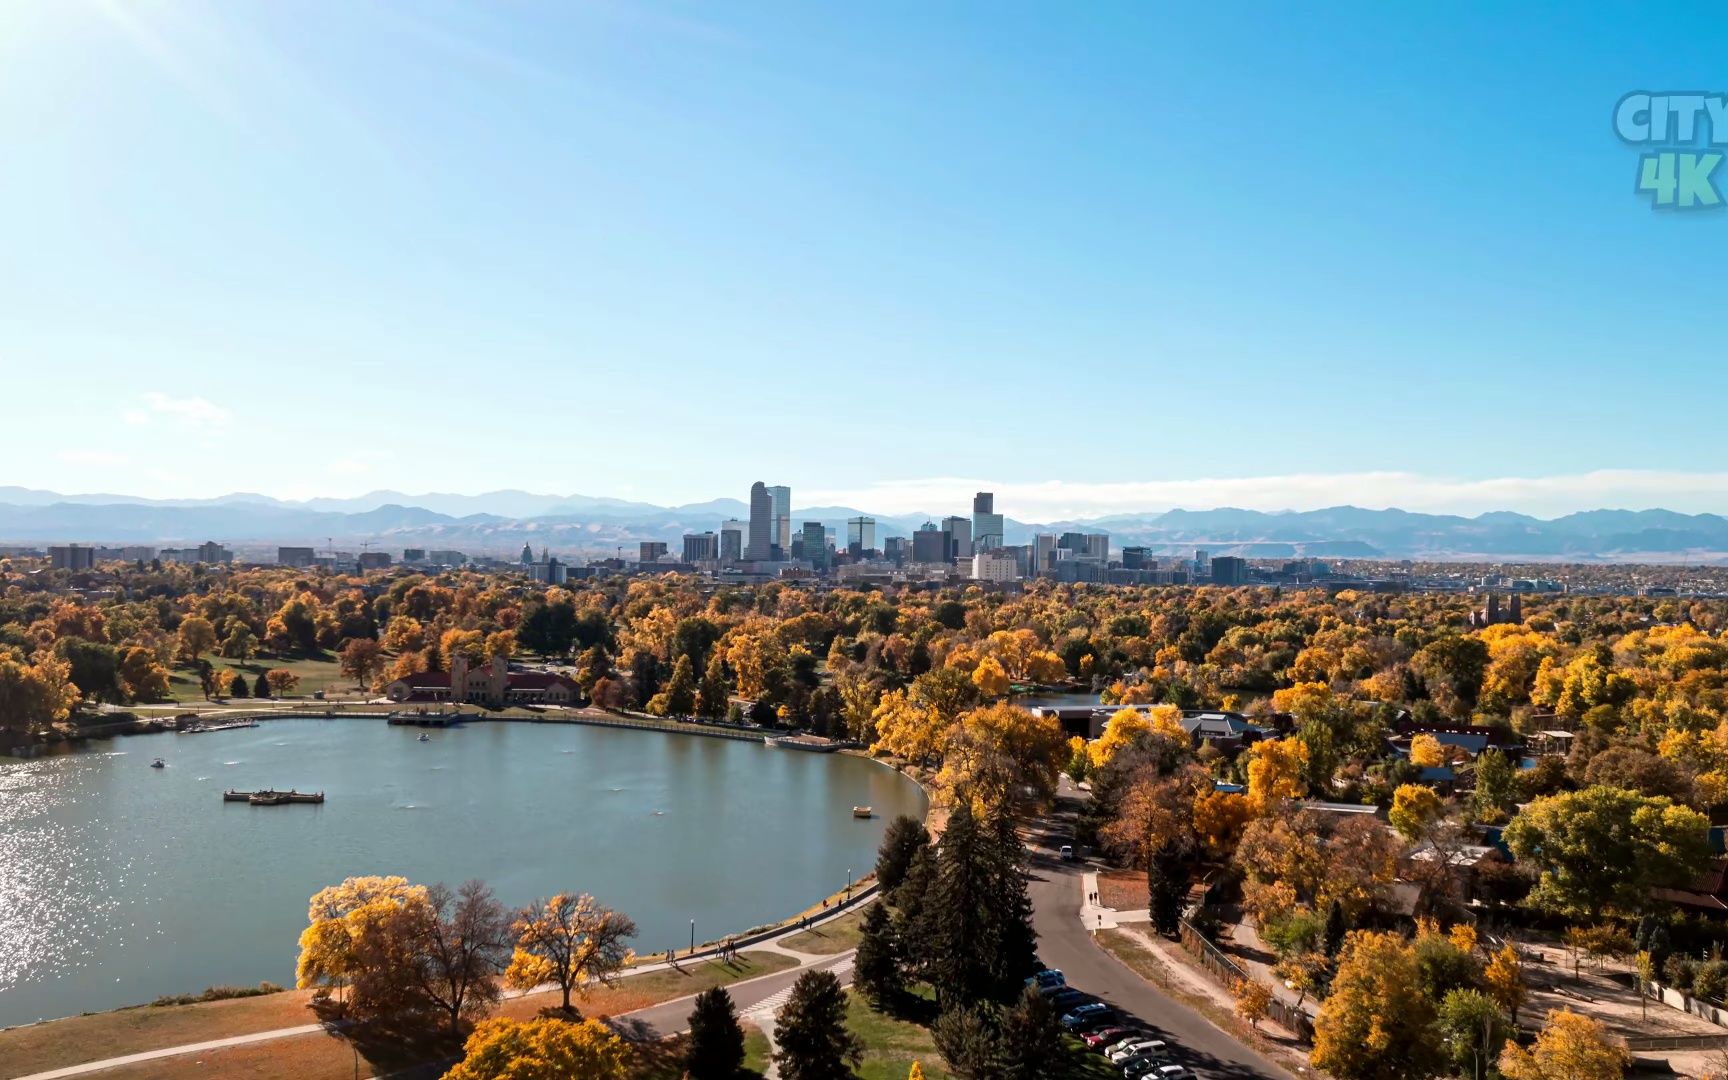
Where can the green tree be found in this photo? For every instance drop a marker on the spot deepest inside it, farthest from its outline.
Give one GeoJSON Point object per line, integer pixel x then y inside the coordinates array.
{"type": "Point", "coordinates": [904, 838]}
{"type": "Point", "coordinates": [715, 1048]}
{"type": "Point", "coordinates": [711, 699]}
{"type": "Point", "coordinates": [1031, 1040]}
{"type": "Point", "coordinates": [1472, 1030]}
{"type": "Point", "coordinates": [811, 1032]}
{"type": "Point", "coordinates": [877, 966]}
{"type": "Point", "coordinates": [967, 1039]}
{"type": "Point", "coordinates": [261, 688]}
{"type": "Point", "coordinates": [1602, 849]}
{"type": "Point", "coordinates": [1496, 780]}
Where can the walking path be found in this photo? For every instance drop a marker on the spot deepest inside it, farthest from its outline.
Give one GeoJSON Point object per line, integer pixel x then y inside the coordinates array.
{"type": "Point", "coordinates": [751, 996]}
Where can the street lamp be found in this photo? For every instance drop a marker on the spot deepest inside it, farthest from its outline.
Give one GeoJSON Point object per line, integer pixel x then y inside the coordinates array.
{"type": "Point", "coordinates": [692, 937]}
{"type": "Point", "coordinates": [848, 884]}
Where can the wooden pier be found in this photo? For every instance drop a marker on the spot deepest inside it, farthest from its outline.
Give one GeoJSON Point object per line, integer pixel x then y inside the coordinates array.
{"type": "Point", "coordinates": [273, 798]}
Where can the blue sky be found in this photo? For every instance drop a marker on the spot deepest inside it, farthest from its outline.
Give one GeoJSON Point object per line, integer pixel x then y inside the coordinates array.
{"type": "Point", "coordinates": [1097, 257]}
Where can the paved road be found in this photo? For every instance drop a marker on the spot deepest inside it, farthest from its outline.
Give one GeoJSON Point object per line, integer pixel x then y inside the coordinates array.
{"type": "Point", "coordinates": [673, 1017]}
{"type": "Point", "coordinates": [1063, 943]}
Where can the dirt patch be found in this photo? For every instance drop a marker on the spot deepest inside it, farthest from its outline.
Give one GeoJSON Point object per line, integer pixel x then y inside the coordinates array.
{"type": "Point", "coordinates": [1124, 890]}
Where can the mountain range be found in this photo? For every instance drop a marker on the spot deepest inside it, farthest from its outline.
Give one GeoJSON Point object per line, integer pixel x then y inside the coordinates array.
{"type": "Point", "coordinates": [502, 521]}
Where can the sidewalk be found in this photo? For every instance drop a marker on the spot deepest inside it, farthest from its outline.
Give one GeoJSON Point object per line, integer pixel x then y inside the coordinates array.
{"type": "Point", "coordinates": [769, 944]}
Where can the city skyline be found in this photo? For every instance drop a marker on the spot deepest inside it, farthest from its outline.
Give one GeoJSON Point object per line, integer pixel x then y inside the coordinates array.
{"type": "Point", "coordinates": [1435, 268]}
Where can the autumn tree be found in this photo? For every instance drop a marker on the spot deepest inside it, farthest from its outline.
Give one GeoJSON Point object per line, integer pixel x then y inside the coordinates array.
{"type": "Point", "coordinates": [196, 637]}
{"type": "Point", "coordinates": [1503, 979]}
{"type": "Point", "coordinates": [1376, 1024]}
{"type": "Point", "coordinates": [571, 941]}
{"type": "Point", "coordinates": [1253, 1001]}
{"type": "Point", "coordinates": [1472, 1029]}
{"type": "Point", "coordinates": [1415, 807]}
{"type": "Point", "coordinates": [1426, 751]}
{"type": "Point", "coordinates": [361, 659]}
{"type": "Point", "coordinates": [814, 1042]}
{"type": "Point", "coordinates": [141, 676]}
{"type": "Point", "coordinates": [1570, 1047]}
{"type": "Point", "coordinates": [461, 940]}
{"type": "Point", "coordinates": [336, 917]}
{"type": "Point", "coordinates": [542, 1049]}
{"type": "Point", "coordinates": [282, 681]}
{"type": "Point", "coordinates": [1000, 755]}
{"type": "Point", "coordinates": [714, 1049]}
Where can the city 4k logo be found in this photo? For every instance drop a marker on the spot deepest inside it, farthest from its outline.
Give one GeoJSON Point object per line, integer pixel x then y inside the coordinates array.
{"type": "Point", "coordinates": [1681, 135]}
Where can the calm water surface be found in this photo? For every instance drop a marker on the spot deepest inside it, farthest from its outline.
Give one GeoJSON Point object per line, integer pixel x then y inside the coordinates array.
{"type": "Point", "coordinates": [120, 883]}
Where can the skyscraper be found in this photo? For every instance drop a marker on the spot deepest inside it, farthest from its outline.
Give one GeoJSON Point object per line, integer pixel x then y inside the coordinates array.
{"type": "Point", "coordinates": [760, 546]}
{"type": "Point", "coordinates": [959, 532]}
{"type": "Point", "coordinates": [816, 544]}
{"type": "Point", "coordinates": [860, 535]}
{"type": "Point", "coordinates": [731, 540]}
{"type": "Point", "coordinates": [986, 524]}
{"type": "Point", "coordinates": [781, 496]}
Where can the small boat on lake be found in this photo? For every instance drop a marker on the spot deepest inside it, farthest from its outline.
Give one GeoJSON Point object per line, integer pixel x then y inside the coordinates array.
{"type": "Point", "coordinates": [158, 764]}
{"type": "Point", "coordinates": [863, 811]}
{"type": "Point", "coordinates": [425, 737]}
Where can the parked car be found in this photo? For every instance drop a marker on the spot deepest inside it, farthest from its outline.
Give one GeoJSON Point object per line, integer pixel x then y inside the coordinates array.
{"type": "Point", "coordinates": [1142, 1067]}
{"type": "Point", "coordinates": [1048, 981]}
{"type": "Point", "coordinates": [1174, 1072]}
{"type": "Point", "coordinates": [1087, 1017]}
{"type": "Point", "coordinates": [1133, 1047]}
{"type": "Point", "coordinates": [1066, 998]}
{"type": "Point", "coordinates": [1104, 1038]}
{"type": "Point", "coordinates": [1067, 852]}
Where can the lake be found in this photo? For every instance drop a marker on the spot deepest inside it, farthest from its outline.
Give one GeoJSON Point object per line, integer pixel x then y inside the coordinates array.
{"type": "Point", "coordinates": [120, 883]}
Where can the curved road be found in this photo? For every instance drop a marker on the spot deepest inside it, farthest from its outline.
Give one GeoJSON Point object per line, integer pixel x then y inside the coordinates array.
{"type": "Point", "coordinates": [1063, 943]}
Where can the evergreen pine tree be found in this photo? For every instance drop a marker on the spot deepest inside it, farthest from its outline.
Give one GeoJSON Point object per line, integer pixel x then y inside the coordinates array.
{"type": "Point", "coordinates": [1011, 909]}
{"type": "Point", "coordinates": [877, 966]}
{"type": "Point", "coordinates": [261, 688]}
{"type": "Point", "coordinates": [238, 690]}
{"type": "Point", "coordinates": [904, 838]}
{"type": "Point", "coordinates": [1167, 878]}
{"type": "Point", "coordinates": [967, 1038]}
{"type": "Point", "coordinates": [711, 696]}
{"type": "Point", "coordinates": [1031, 1040]}
{"type": "Point", "coordinates": [716, 1046]}
{"type": "Point", "coordinates": [1332, 934]}
{"type": "Point", "coordinates": [964, 941]}
{"type": "Point", "coordinates": [681, 691]}
{"type": "Point", "coordinates": [912, 923]}
{"type": "Point", "coordinates": [811, 1032]}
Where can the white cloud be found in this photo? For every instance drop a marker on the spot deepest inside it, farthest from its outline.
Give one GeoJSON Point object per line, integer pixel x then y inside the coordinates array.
{"type": "Point", "coordinates": [1054, 500]}
{"type": "Point", "coordinates": [194, 412]}
{"type": "Point", "coordinates": [92, 457]}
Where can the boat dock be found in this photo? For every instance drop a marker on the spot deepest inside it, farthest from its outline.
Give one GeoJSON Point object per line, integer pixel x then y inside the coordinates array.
{"type": "Point", "coordinates": [226, 725]}
{"type": "Point", "coordinates": [273, 798]}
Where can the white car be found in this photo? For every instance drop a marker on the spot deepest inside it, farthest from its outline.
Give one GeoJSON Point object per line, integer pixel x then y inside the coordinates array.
{"type": "Point", "coordinates": [1174, 1072]}
{"type": "Point", "coordinates": [1126, 1049]}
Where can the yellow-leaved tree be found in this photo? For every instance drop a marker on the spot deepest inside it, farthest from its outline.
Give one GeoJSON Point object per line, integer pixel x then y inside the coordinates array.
{"type": "Point", "coordinates": [907, 728]}
{"type": "Point", "coordinates": [544, 1049]}
{"type": "Point", "coordinates": [336, 919]}
{"type": "Point", "coordinates": [571, 941]}
{"type": "Point", "coordinates": [1275, 772]}
{"type": "Point", "coordinates": [1414, 809]}
{"type": "Point", "coordinates": [1376, 1022]}
{"type": "Point", "coordinates": [1123, 727]}
{"type": "Point", "coordinates": [990, 679]}
{"type": "Point", "coordinates": [1426, 752]}
{"type": "Point", "coordinates": [917, 1072]}
{"type": "Point", "coordinates": [999, 753]}
{"type": "Point", "coordinates": [1571, 1047]}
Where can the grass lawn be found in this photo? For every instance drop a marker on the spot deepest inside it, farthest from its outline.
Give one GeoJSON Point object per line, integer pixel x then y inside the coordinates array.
{"type": "Point", "coordinates": [892, 1045]}
{"type": "Point", "coordinates": [59, 1043]}
{"type": "Point", "coordinates": [829, 938]}
{"type": "Point", "coordinates": [316, 673]}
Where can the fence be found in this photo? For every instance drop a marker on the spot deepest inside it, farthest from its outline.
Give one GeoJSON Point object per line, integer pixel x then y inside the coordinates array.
{"type": "Point", "coordinates": [1220, 966]}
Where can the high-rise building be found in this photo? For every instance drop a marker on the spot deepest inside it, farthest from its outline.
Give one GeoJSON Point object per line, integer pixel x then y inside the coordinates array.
{"type": "Point", "coordinates": [986, 524]}
{"type": "Point", "coordinates": [527, 558]}
{"type": "Point", "coordinates": [1043, 552]}
{"type": "Point", "coordinates": [760, 547]}
{"type": "Point", "coordinates": [1098, 546]}
{"type": "Point", "coordinates": [995, 565]}
{"type": "Point", "coordinates": [782, 515]}
{"type": "Point", "coordinates": [1136, 558]}
{"type": "Point", "coordinates": [959, 532]}
{"type": "Point", "coordinates": [731, 540]}
{"type": "Point", "coordinates": [860, 535]}
{"type": "Point", "coordinates": [1229, 570]}
{"type": "Point", "coordinates": [650, 551]}
{"type": "Point", "coordinates": [212, 552]}
{"type": "Point", "coordinates": [701, 547]}
{"type": "Point", "coordinates": [896, 549]}
{"type": "Point", "coordinates": [373, 560]}
{"type": "Point", "coordinates": [816, 544]}
{"type": "Point", "coordinates": [930, 544]}
{"type": "Point", "coordinates": [299, 557]}
{"type": "Point", "coordinates": [72, 557]}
